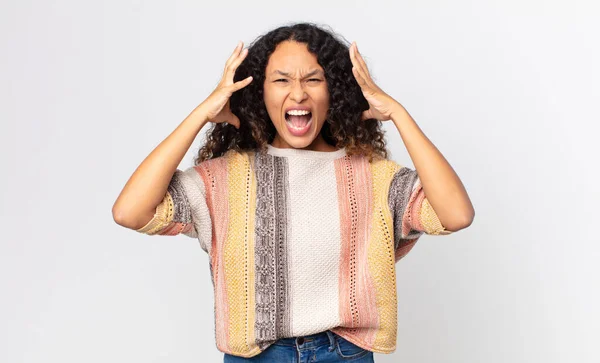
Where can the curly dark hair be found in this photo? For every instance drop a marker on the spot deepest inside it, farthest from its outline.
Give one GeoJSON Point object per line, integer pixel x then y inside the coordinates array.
{"type": "Point", "coordinates": [343, 127]}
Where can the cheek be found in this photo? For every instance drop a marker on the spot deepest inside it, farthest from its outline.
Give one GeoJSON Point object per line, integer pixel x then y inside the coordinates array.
{"type": "Point", "coordinates": [266, 94]}
{"type": "Point", "coordinates": [272, 103]}
{"type": "Point", "coordinates": [271, 97]}
{"type": "Point", "coordinates": [323, 99]}
{"type": "Point", "coordinates": [322, 95]}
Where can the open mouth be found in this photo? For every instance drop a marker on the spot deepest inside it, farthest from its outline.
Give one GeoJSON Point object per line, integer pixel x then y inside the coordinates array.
{"type": "Point", "coordinates": [298, 122]}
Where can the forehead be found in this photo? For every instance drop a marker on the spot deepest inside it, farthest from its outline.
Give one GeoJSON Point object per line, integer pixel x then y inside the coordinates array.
{"type": "Point", "coordinates": [292, 57]}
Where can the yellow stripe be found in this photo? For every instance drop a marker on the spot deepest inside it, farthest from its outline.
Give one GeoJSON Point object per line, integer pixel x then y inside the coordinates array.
{"type": "Point", "coordinates": [239, 254]}
{"type": "Point", "coordinates": [162, 217]}
{"type": "Point", "coordinates": [430, 221]}
{"type": "Point", "coordinates": [381, 256]}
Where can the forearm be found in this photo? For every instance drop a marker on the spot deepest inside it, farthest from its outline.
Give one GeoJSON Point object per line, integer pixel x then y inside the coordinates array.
{"type": "Point", "coordinates": [146, 188]}
{"type": "Point", "coordinates": [441, 184]}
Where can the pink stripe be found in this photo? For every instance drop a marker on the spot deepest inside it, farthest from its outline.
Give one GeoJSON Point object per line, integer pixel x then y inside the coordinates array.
{"type": "Point", "coordinates": [174, 228]}
{"type": "Point", "coordinates": [358, 305]}
{"type": "Point", "coordinates": [412, 215]}
{"type": "Point", "coordinates": [404, 250]}
{"type": "Point", "coordinates": [214, 175]}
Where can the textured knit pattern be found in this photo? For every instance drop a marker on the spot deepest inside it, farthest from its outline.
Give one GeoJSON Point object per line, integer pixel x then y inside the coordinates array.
{"type": "Point", "coordinates": [299, 242]}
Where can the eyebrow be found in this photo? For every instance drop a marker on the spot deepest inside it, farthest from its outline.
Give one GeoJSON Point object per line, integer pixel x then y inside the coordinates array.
{"type": "Point", "coordinates": [312, 73]}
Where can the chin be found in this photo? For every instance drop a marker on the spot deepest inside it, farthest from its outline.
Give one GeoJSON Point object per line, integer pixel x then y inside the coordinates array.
{"type": "Point", "coordinates": [299, 143]}
{"type": "Point", "coordinates": [295, 140]}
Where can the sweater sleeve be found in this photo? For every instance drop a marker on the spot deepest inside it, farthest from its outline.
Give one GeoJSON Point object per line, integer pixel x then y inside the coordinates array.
{"type": "Point", "coordinates": [412, 214]}
{"type": "Point", "coordinates": [183, 210]}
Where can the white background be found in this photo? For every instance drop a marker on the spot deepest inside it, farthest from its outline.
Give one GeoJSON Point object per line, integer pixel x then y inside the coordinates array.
{"type": "Point", "coordinates": [507, 91]}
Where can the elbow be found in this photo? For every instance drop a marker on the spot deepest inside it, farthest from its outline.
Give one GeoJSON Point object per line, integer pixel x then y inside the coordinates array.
{"type": "Point", "coordinates": [461, 223]}
{"type": "Point", "coordinates": [131, 219]}
{"type": "Point", "coordinates": [118, 216]}
{"type": "Point", "coordinates": [468, 218]}
{"type": "Point", "coordinates": [121, 218]}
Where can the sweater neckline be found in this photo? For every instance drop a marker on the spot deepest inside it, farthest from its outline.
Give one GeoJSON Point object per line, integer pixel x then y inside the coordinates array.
{"type": "Point", "coordinates": [302, 153]}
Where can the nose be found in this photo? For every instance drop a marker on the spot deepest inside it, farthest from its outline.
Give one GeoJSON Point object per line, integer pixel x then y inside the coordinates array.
{"type": "Point", "coordinates": [297, 93]}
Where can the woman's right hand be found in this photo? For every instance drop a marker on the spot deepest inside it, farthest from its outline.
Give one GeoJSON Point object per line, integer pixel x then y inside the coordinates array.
{"type": "Point", "coordinates": [216, 105]}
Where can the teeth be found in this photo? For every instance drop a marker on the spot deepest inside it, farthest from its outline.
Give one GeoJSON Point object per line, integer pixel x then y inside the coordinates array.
{"type": "Point", "coordinates": [298, 112]}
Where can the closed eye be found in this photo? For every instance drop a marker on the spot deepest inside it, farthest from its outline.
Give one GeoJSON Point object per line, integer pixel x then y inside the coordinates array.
{"type": "Point", "coordinates": [285, 80]}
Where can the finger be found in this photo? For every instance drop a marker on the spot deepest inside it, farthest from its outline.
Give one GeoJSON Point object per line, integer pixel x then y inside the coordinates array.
{"type": "Point", "coordinates": [360, 68]}
{"type": "Point", "coordinates": [361, 61]}
{"type": "Point", "coordinates": [353, 57]}
{"type": "Point", "coordinates": [241, 84]}
{"type": "Point", "coordinates": [236, 63]}
{"type": "Point", "coordinates": [361, 81]}
{"type": "Point", "coordinates": [234, 55]}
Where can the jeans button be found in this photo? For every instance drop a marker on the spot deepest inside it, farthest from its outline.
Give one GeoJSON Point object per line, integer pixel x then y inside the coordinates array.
{"type": "Point", "coordinates": [300, 340]}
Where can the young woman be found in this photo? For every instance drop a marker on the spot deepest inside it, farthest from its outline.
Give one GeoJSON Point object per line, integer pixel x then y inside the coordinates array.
{"type": "Point", "coordinates": [293, 197]}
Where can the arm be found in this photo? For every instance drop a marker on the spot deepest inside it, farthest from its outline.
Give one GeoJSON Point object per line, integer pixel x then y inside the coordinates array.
{"type": "Point", "coordinates": [441, 185]}
{"type": "Point", "coordinates": [146, 188]}
{"type": "Point", "coordinates": [445, 192]}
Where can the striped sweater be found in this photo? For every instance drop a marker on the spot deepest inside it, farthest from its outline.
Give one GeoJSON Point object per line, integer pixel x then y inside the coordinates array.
{"type": "Point", "coordinates": [299, 242]}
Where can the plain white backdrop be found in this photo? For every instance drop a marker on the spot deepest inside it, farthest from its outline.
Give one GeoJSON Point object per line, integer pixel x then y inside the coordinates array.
{"type": "Point", "coordinates": [507, 90]}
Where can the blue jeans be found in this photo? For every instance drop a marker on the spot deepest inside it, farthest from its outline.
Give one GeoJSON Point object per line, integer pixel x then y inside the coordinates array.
{"type": "Point", "coordinates": [321, 347]}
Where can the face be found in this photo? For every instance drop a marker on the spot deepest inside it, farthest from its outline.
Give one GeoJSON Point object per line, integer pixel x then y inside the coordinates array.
{"type": "Point", "coordinates": [294, 84]}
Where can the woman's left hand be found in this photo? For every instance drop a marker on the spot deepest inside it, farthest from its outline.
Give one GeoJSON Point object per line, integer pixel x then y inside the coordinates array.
{"type": "Point", "coordinates": [381, 105]}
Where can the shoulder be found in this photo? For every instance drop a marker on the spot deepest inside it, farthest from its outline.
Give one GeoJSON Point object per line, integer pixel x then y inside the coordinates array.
{"type": "Point", "coordinates": [223, 164]}
{"type": "Point", "coordinates": [219, 161]}
{"type": "Point", "coordinates": [387, 165]}
{"type": "Point", "coordinates": [391, 173]}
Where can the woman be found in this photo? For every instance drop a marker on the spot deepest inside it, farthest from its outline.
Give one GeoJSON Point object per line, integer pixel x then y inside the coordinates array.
{"type": "Point", "coordinates": [293, 198]}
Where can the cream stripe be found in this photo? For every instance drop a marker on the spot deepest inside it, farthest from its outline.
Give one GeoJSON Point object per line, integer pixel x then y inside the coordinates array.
{"type": "Point", "coordinates": [196, 194]}
{"type": "Point", "coordinates": [314, 227]}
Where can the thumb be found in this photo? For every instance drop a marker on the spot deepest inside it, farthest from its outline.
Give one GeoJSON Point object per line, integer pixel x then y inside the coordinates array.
{"type": "Point", "coordinates": [366, 115]}
{"type": "Point", "coordinates": [235, 121]}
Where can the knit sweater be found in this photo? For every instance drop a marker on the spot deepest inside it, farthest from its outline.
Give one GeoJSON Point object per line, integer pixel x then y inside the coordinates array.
{"type": "Point", "coordinates": [299, 242]}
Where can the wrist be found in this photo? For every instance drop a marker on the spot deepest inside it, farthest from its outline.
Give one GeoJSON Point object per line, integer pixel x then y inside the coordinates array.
{"type": "Point", "coordinates": [200, 115]}
{"type": "Point", "coordinates": [397, 112]}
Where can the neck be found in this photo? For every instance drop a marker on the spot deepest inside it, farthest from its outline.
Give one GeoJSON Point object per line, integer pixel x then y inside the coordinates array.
{"type": "Point", "coordinates": [318, 144]}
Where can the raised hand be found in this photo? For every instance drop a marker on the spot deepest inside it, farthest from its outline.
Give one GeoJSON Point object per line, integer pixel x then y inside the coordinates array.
{"type": "Point", "coordinates": [381, 104]}
{"type": "Point", "coordinates": [216, 104]}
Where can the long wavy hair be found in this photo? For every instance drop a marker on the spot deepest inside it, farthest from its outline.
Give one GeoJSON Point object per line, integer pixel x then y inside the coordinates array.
{"type": "Point", "coordinates": [343, 127]}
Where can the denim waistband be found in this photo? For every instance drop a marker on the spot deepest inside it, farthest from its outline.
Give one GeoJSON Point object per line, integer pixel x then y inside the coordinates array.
{"type": "Point", "coordinates": [308, 341]}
